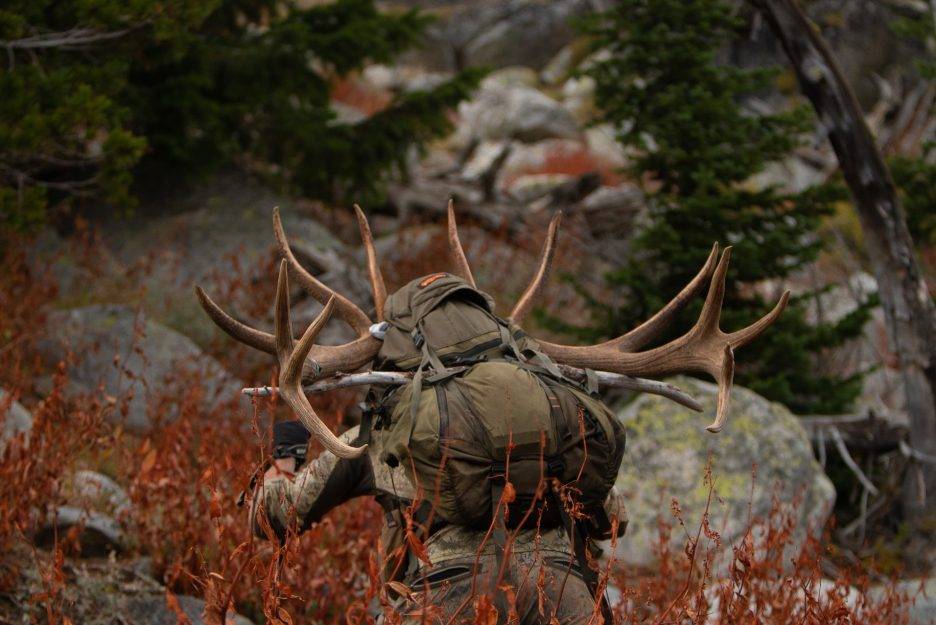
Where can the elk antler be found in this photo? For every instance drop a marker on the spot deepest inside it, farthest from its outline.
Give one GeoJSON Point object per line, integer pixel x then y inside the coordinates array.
{"type": "Point", "coordinates": [462, 268]}
{"type": "Point", "coordinates": [328, 360]}
{"type": "Point", "coordinates": [703, 349]}
{"type": "Point", "coordinates": [292, 356]}
{"type": "Point", "coordinates": [378, 288]}
{"type": "Point", "coordinates": [345, 308]}
{"type": "Point", "coordinates": [523, 305]}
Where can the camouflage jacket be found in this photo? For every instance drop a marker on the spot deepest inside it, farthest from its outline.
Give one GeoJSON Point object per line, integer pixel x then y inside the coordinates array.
{"type": "Point", "coordinates": [327, 481]}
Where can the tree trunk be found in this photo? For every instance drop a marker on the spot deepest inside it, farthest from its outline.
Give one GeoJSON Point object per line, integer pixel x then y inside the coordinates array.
{"type": "Point", "coordinates": [908, 307]}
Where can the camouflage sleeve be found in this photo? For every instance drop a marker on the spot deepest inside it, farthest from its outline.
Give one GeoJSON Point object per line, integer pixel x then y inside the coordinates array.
{"type": "Point", "coordinates": [322, 484]}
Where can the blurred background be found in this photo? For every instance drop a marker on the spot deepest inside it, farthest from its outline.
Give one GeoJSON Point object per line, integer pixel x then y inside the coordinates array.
{"type": "Point", "coordinates": [144, 144]}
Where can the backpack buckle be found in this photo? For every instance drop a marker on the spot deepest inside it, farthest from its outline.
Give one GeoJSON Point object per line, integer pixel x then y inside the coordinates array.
{"type": "Point", "coordinates": [418, 338]}
{"type": "Point", "coordinates": [555, 467]}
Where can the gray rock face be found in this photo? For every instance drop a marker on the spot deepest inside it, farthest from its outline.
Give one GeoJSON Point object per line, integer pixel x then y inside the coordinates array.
{"type": "Point", "coordinates": [498, 34]}
{"type": "Point", "coordinates": [96, 504]}
{"type": "Point", "coordinates": [15, 418]}
{"type": "Point", "coordinates": [923, 595]}
{"type": "Point", "coordinates": [100, 534]}
{"type": "Point", "coordinates": [668, 449]}
{"type": "Point", "coordinates": [614, 216]}
{"type": "Point", "coordinates": [222, 233]}
{"type": "Point", "coordinates": [152, 610]}
{"type": "Point", "coordinates": [100, 492]}
{"type": "Point", "coordinates": [103, 593]}
{"type": "Point", "coordinates": [132, 357]}
{"type": "Point", "coordinates": [521, 113]}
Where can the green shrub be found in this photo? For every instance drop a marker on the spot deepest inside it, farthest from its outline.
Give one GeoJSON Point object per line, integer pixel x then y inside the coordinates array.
{"type": "Point", "coordinates": [681, 111]}
{"type": "Point", "coordinates": [99, 93]}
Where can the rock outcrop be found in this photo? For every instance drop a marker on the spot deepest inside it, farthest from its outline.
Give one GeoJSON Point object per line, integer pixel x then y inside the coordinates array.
{"type": "Point", "coordinates": [669, 450]}
{"type": "Point", "coordinates": [15, 418]}
{"type": "Point", "coordinates": [103, 592]}
{"type": "Point", "coordinates": [132, 357]}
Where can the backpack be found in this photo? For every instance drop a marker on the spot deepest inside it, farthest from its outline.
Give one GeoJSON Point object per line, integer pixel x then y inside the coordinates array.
{"type": "Point", "coordinates": [485, 407]}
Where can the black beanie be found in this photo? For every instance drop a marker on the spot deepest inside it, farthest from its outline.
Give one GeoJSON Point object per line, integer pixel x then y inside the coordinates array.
{"type": "Point", "coordinates": [289, 433]}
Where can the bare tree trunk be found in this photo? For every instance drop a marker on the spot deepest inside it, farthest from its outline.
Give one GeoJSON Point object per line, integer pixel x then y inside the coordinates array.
{"type": "Point", "coordinates": [908, 307]}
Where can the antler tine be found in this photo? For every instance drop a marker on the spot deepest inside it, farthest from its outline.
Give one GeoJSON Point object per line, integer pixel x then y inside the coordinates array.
{"type": "Point", "coordinates": [238, 331]}
{"type": "Point", "coordinates": [291, 358]}
{"type": "Point", "coordinates": [462, 268]}
{"type": "Point", "coordinates": [378, 288]}
{"type": "Point", "coordinates": [725, 380]}
{"type": "Point", "coordinates": [652, 327]}
{"type": "Point", "coordinates": [282, 324]}
{"type": "Point", "coordinates": [525, 303]}
{"type": "Point", "coordinates": [711, 309]}
{"type": "Point", "coordinates": [739, 339]}
{"type": "Point", "coordinates": [703, 349]}
{"type": "Point", "coordinates": [345, 308]}
{"type": "Point", "coordinates": [329, 359]}
{"type": "Point", "coordinates": [742, 337]}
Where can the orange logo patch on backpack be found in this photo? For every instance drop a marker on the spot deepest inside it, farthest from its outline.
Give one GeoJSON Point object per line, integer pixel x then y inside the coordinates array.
{"type": "Point", "coordinates": [430, 279]}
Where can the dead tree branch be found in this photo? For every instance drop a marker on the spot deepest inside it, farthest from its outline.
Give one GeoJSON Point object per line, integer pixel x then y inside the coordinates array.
{"type": "Point", "coordinates": [905, 298]}
{"type": "Point", "coordinates": [69, 39]}
{"type": "Point", "coordinates": [605, 379]}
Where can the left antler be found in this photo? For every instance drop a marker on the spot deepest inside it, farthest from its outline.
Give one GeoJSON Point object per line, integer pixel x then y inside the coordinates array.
{"type": "Point", "coordinates": [329, 360]}
{"type": "Point", "coordinates": [462, 268]}
{"type": "Point", "coordinates": [300, 360]}
{"type": "Point", "coordinates": [704, 349]}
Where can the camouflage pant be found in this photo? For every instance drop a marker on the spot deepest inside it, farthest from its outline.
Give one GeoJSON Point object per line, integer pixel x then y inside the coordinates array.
{"type": "Point", "coordinates": [542, 586]}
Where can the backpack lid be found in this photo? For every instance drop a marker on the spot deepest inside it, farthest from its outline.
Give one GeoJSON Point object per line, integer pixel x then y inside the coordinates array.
{"type": "Point", "coordinates": [408, 305]}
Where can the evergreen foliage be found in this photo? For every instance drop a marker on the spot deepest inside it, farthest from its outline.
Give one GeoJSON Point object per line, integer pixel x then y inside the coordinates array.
{"type": "Point", "coordinates": [681, 111]}
{"type": "Point", "coordinates": [97, 92]}
{"type": "Point", "coordinates": [915, 177]}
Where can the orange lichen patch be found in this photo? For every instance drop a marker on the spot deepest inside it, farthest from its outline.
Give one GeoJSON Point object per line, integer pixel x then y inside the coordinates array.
{"type": "Point", "coordinates": [559, 156]}
{"type": "Point", "coordinates": [350, 91]}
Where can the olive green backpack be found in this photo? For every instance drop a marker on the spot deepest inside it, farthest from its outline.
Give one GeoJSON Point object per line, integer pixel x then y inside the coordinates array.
{"type": "Point", "coordinates": [485, 408]}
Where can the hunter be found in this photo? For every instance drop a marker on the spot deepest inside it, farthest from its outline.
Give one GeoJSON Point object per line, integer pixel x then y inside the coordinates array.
{"type": "Point", "coordinates": [490, 451]}
{"type": "Point", "coordinates": [295, 494]}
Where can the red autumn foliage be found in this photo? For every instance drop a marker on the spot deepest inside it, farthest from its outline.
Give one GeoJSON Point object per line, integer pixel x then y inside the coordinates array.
{"type": "Point", "coordinates": [183, 478]}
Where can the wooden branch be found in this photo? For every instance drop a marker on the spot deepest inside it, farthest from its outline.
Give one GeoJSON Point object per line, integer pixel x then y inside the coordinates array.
{"type": "Point", "coordinates": [605, 379]}
{"type": "Point", "coordinates": [908, 307]}
{"type": "Point", "coordinates": [850, 462]}
{"type": "Point", "coordinates": [640, 385]}
{"type": "Point", "coordinates": [862, 432]}
{"type": "Point", "coordinates": [341, 380]}
{"type": "Point", "coordinates": [77, 37]}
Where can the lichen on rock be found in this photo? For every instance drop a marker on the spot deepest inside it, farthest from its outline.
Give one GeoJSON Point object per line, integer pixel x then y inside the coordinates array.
{"type": "Point", "coordinates": [762, 458]}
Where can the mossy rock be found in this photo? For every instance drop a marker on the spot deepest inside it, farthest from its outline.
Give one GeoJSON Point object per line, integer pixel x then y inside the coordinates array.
{"type": "Point", "coordinates": [762, 456]}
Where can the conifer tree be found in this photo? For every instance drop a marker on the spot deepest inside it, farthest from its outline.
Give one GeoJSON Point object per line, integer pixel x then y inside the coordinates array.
{"type": "Point", "coordinates": [915, 176]}
{"type": "Point", "coordinates": [98, 92]}
{"type": "Point", "coordinates": [681, 111]}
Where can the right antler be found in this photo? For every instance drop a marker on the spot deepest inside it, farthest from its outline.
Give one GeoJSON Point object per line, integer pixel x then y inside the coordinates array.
{"type": "Point", "coordinates": [703, 349]}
